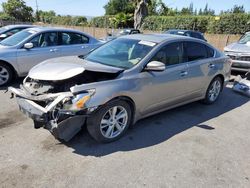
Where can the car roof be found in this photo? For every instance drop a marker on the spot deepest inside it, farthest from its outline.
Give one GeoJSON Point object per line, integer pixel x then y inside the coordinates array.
{"type": "Point", "coordinates": [41, 28]}
{"type": "Point", "coordinates": [19, 26]}
{"type": "Point", "coordinates": [157, 38]}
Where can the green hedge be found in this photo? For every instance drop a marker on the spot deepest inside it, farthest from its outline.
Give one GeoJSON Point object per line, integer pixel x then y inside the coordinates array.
{"type": "Point", "coordinates": [224, 24]}
{"type": "Point", "coordinates": [176, 22]}
{"type": "Point", "coordinates": [101, 21]}
{"type": "Point", "coordinates": [230, 24]}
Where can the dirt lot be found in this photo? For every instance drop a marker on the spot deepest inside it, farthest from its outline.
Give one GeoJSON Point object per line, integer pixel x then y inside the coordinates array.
{"type": "Point", "coordinates": [191, 146]}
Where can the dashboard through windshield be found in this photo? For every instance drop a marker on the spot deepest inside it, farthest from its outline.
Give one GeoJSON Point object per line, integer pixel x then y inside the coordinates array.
{"type": "Point", "coordinates": [121, 53]}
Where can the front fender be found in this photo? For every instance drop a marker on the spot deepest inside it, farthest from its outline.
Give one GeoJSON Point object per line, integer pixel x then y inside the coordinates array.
{"type": "Point", "coordinates": [108, 90]}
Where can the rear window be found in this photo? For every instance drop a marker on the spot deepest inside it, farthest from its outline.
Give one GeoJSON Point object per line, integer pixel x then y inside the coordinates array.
{"type": "Point", "coordinates": [196, 35]}
{"type": "Point", "coordinates": [210, 52]}
{"type": "Point", "coordinates": [195, 51]}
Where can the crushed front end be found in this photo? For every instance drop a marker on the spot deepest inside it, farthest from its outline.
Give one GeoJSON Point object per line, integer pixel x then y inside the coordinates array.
{"type": "Point", "coordinates": [49, 106]}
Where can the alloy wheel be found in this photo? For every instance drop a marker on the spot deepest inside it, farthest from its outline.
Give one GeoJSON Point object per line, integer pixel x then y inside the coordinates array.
{"type": "Point", "coordinates": [4, 75]}
{"type": "Point", "coordinates": [214, 91]}
{"type": "Point", "coordinates": [114, 122]}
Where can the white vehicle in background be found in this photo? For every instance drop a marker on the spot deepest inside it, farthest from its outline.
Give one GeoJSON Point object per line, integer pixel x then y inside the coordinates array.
{"type": "Point", "coordinates": [239, 52]}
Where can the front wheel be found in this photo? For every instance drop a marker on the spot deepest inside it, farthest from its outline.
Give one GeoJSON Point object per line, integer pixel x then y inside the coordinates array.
{"type": "Point", "coordinates": [6, 74]}
{"type": "Point", "coordinates": [213, 91]}
{"type": "Point", "coordinates": [110, 122]}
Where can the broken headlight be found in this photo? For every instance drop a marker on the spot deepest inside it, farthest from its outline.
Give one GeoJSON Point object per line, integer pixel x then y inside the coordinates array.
{"type": "Point", "coordinates": [79, 101]}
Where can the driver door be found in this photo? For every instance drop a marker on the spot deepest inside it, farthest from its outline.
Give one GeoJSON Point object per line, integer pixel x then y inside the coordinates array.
{"type": "Point", "coordinates": [44, 47]}
{"type": "Point", "coordinates": [165, 88]}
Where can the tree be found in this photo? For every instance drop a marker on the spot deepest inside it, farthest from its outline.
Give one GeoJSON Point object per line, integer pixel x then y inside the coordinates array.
{"type": "Point", "coordinates": [207, 11]}
{"type": "Point", "coordinates": [141, 12]}
{"type": "Point", "coordinates": [114, 7]}
{"type": "Point", "coordinates": [238, 9]}
{"type": "Point", "coordinates": [46, 16]}
{"type": "Point", "coordinates": [191, 8]}
{"type": "Point", "coordinates": [18, 10]}
{"type": "Point", "coordinates": [185, 11]}
{"type": "Point", "coordinates": [152, 7]}
{"type": "Point", "coordinates": [79, 20]}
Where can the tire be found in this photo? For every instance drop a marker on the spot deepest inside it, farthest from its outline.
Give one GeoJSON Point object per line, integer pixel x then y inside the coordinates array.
{"type": "Point", "coordinates": [6, 74]}
{"type": "Point", "coordinates": [213, 91]}
{"type": "Point", "coordinates": [102, 125]}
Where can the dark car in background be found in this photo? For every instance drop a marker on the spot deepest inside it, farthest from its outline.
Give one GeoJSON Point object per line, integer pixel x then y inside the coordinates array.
{"type": "Point", "coordinates": [128, 31]}
{"type": "Point", "coordinates": [189, 33]}
{"type": "Point", "coordinates": [10, 30]}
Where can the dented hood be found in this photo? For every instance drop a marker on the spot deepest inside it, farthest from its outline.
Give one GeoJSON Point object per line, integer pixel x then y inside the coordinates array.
{"type": "Point", "coordinates": [238, 47]}
{"type": "Point", "coordinates": [67, 67]}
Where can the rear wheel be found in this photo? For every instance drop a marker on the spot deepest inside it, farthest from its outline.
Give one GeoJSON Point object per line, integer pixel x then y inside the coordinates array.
{"type": "Point", "coordinates": [110, 122]}
{"type": "Point", "coordinates": [213, 91]}
{"type": "Point", "coordinates": [6, 74]}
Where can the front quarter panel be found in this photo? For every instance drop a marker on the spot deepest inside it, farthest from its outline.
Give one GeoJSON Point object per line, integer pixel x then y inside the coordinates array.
{"type": "Point", "coordinates": [108, 90]}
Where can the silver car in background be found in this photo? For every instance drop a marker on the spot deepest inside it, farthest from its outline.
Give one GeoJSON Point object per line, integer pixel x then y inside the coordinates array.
{"type": "Point", "coordinates": [9, 30]}
{"type": "Point", "coordinates": [121, 82]}
{"type": "Point", "coordinates": [20, 52]}
{"type": "Point", "coordinates": [239, 52]}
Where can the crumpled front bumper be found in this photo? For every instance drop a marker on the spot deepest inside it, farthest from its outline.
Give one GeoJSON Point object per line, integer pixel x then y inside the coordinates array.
{"type": "Point", "coordinates": [64, 129]}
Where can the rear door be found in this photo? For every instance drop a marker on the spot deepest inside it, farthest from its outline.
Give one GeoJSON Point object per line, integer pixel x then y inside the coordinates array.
{"type": "Point", "coordinates": [200, 69]}
{"type": "Point", "coordinates": [72, 43]}
{"type": "Point", "coordinates": [45, 46]}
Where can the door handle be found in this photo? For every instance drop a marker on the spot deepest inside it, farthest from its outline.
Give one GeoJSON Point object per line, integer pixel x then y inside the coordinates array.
{"type": "Point", "coordinates": [83, 47]}
{"type": "Point", "coordinates": [183, 73]}
{"type": "Point", "coordinates": [53, 50]}
{"type": "Point", "coordinates": [211, 65]}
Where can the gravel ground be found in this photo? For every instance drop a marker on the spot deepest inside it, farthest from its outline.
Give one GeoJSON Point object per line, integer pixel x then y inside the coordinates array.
{"type": "Point", "coordinates": [190, 146]}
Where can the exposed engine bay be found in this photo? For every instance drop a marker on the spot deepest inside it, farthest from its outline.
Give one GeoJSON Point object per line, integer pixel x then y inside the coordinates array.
{"type": "Point", "coordinates": [38, 87]}
{"type": "Point", "coordinates": [52, 104]}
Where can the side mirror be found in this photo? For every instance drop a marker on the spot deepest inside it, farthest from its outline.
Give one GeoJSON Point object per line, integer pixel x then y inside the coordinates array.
{"type": "Point", "coordinates": [2, 36]}
{"type": "Point", "coordinates": [28, 45]}
{"type": "Point", "coordinates": [155, 66]}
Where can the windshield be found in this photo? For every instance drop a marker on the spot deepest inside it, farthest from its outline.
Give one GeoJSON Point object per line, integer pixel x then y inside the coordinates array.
{"type": "Point", "coordinates": [124, 32]}
{"type": "Point", "coordinates": [16, 38]}
{"type": "Point", "coordinates": [245, 38]}
{"type": "Point", "coordinates": [121, 53]}
{"type": "Point", "coordinates": [2, 29]}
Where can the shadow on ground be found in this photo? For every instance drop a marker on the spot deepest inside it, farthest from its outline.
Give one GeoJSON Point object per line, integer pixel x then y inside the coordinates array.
{"type": "Point", "coordinates": [14, 83]}
{"type": "Point", "coordinates": [159, 128]}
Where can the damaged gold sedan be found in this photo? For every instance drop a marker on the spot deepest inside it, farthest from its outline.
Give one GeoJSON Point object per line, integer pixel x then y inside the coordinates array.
{"type": "Point", "coordinates": [120, 83]}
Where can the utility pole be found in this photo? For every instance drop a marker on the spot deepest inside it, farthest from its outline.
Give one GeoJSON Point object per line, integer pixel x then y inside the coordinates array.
{"type": "Point", "coordinates": [37, 12]}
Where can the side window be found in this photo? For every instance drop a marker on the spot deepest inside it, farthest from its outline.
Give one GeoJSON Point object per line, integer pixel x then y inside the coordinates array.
{"type": "Point", "coordinates": [36, 41]}
{"type": "Point", "coordinates": [170, 54]}
{"type": "Point", "coordinates": [195, 51]}
{"type": "Point", "coordinates": [45, 40]}
{"type": "Point", "coordinates": [195, 35]}
{"type": "Point", "coordinates": [13, 31]}
{"type": "Point", "coordinates": [210, 52]}
{"type": "Point", "coordinates": [73, 38]}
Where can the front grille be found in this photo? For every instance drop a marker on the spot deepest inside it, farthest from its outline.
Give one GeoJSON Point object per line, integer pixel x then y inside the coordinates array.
{"type": "Point", "coordinates": [240, 58]}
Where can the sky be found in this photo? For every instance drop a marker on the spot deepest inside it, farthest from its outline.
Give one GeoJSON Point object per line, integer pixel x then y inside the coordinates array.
{"type": "Point", "coordinates": [95, 7]}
